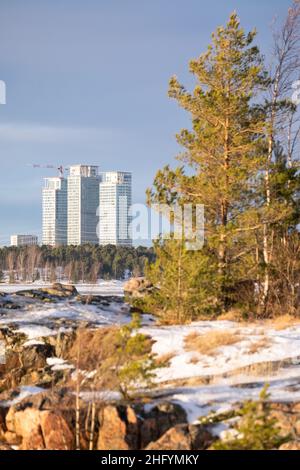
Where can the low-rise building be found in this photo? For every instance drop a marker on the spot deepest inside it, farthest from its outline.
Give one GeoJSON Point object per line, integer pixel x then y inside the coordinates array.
{"type": "Point", "coordinates": [23, 240]}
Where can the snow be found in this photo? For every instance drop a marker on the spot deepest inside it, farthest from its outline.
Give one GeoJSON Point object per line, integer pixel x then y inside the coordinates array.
{"type": "Point", "coordinates": [53, 361]}
{"type": "Point", "coordinates": [58, 363]}
{"type": "Point", "coordinates": [105, 395]}
{"type": "Point", "coordinates": [36, 320]}
{"type": "Point", "coordinates": [32, 342]}
{"type": "Point", "coordinates": [107, 288]}
{"type": "Point", "coordinates": [200, 401]}
{"type": "Point", "coordinates": [232, 373]}
{"type": "Point", "coordinates": [36, 331]}
{"type": "Point", "coordinates": [283, 345]}
{"type": "Point", "coordinates": [228, 381]}
{"type": "Point", "coordinates": [25, 391]}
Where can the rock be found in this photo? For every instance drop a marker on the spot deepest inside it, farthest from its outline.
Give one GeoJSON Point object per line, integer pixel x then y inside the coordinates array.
{"type": "Point", "coordinates": [11, 439]}
{"type": "Point", "coordinates": [131, 427]}
{"type": "Point", "coordinates": [61, 290]}
{"type": "Point", "coordinates": [177, 438]}
{"type": "Point", "coordinates": [56, 292]}
{"type": "Point", "coordinates": [183, 437]}
{"type": "Point", "coordinates": [297, 426]}
{"type": "Point", "coordinates": [137, 287]}
{"type": "Point", "coordinates": [3, 412]}
{"type": "Point", "coordinates": [36, 428]}
{"type": "Point", "coordinates": [4, 446]}
{"type": "Point", "coordinates": [292, 445]}
{"type": "Point", "coordinates": [27, 427]}
{"type": "Point", "coordinates": [159, 419]}
{"type": "Point", "coordinates": [35, 356]}
{"type": "Point", "coordinates": [9, 305]}
{"type": "Point", "coordinates": [118, 428]}
{"type": "Point", "coordinates": [56, 432]}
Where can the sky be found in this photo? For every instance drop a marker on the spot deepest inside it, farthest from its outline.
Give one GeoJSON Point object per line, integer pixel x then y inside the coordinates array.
{"type": "Point", "coordinates": [87, 82]}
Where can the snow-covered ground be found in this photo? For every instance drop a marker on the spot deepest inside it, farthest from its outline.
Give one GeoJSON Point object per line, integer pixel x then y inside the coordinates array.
{"type": "Point", "coordinates": [233, 373]}
{"type": "Point", "coordinates": [37, 319]}
{"type": "Point", "coordinates": [201, 382]}
{"type": "Point", "coordinates": [101, 288]}
{"type": "Point", "coordinates": [280, 345]}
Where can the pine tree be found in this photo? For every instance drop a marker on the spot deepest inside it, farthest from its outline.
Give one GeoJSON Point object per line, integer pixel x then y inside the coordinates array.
{"type": "Point", "coordinates": [256, 429]}
{"type": "Point", "coordinates": [223, 152]}
{"type": "Point", "coordinates": [187, 283]}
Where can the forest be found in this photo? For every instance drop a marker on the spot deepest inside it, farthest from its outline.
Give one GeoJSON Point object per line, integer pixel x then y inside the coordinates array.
{"type": "Point", "coordinates": [85, 263]}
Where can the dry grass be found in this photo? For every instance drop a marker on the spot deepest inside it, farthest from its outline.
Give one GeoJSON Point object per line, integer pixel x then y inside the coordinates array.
{"type": "Point", "coordinates": [208, 343]}
{"type": "Point", "coordinates": [283, 322]}
{"type": "Point", "coordinates": [234, 315]}
{"type": "Point", "coordinates": [165, 359]}
{"type": "Point", "coordinates": [259, 345]}
{"type": "Point", "coordinates": [194, 360]}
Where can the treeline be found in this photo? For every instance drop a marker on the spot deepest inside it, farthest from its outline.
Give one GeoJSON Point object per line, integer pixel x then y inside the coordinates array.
{"type": "Point", "coordinates": [85, 263]}
{"type": "Point", "coordinates": [240, 159]}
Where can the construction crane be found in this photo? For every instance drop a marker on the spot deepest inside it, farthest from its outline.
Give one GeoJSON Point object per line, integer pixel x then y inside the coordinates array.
{"type": "Point", "coordinates": [61, 169]}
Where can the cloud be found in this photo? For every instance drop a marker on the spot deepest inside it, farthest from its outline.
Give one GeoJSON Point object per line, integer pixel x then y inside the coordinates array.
{"type": "Point", "coordinates": [52, 134]}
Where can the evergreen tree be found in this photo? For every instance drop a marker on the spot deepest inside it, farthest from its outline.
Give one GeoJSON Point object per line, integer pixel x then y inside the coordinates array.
{"type": "Point", "coordinates": [256, 430]}
{"type": "Point", "coordinates": [223, 153]}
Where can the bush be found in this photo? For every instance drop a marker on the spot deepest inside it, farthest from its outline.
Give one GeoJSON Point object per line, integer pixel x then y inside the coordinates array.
{"type": "Point", "coordinates": [256, 430]}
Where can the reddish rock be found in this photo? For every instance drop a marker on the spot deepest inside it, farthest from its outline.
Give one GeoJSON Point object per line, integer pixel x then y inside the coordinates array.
{"type": "Point", "coordinates": [118, 428]}
{"type": "Point", "coordinates": [183, 437]}
{"type": "Point", "coordinates": [293, 445]}
{"type": "Point", "coordinates": [55, 431]}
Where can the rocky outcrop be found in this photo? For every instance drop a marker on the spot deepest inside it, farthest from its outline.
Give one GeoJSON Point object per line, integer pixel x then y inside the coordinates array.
{"type": "Point", "coordinates": [158, 420]}
{"type": "Point", "coordinates": [56, 292]}
{"type": "Point", "coordinates": [119, 428]}
{"type": "Point", "coordinates": [26, 366]}
{"type": "Point", "coordinates": [35, 424]}
{"type": "Point", "coordinates": [184, 437]}
{"type": "Point", "coordinates": [137, 287]}
{"type": "Point", "coordinates": [292, 445]}
{"type": "Point", "coordinates": [134, 427]}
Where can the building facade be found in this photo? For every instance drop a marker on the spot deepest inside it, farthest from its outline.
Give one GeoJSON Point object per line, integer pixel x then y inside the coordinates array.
{"type": "Point", "coordinates": [55, 213]}
{"type": "Point", "coordinates": [115, 199]}
{"type": "Point", "coordinates": [23, 240]}
{"type": "Point", "coordinates": [83, 202]}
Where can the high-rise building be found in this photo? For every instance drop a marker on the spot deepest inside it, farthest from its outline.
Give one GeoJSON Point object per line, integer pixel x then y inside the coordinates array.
{"type": "Point", "coordinates": [115, 199]}
{"type": "Point", "coordinates": [55, 222]}
{"type": "Point", "coordinates": [23, 240]}
{"type": "Point", "coordinates": [83, 202]}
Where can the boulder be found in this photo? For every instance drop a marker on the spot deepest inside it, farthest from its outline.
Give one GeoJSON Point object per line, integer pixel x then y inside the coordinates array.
{"type": "Point", "coordinates": [183, 437]}
{"type": "Point", "coordinates": [56, 432]}
{"type": "Point", "coordinates": [35, 427]}
{"type": "Point", "coordinates": [4, 446]}
{"type": "Point", "coordinates": [292, 445]}
{"type": "Point", "coordinates": [56, 292]}
{"type": "Point", "coordinates": [159, 419]}
{"type": "Point", "coordinates": [138, 287]}
{"type": "Point", "coordinates": [134, 427]}
{"type": "Point", "coordinates": [118, 428]}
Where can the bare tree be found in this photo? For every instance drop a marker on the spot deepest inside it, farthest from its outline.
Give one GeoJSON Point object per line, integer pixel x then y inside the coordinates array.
{"type": "Point", "coordinates": [282, 119]}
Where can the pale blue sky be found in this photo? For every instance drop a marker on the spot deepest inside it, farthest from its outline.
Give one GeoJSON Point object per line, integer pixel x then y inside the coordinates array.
{"type": "Point", "coordinates": [87, 82]}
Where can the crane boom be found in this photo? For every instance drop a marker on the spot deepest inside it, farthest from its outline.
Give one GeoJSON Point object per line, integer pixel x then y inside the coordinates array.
{"type": "Point", "coordinates": [61, 169]}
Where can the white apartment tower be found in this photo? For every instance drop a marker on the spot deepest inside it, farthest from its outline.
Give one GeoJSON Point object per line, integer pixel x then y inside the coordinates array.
{"type": "Point", "coordinates": [83, 202]}
{"type": "Point", "coordinates": [55, 211]}
{"type": "Point", "coordinates": [115, 199]}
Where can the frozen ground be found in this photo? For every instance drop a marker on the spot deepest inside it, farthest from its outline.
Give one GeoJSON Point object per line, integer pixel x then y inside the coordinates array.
{"type": "Point", "coordinates": [233, 373]}
{"type": "Point", "coordinates": [280, 345]}
{"type": "Point", "coordinates": [199, 382]}
{"type": "Point", "coordinates": [101, 288]}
